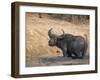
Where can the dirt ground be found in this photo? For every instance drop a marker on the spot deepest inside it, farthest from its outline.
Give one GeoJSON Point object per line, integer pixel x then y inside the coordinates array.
{"type": "Point", "coordinates": [37, 48]}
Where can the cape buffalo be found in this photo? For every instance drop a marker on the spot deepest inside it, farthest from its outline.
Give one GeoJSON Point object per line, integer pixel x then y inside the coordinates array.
{"type": "Point", "coordinates": [71, 46]}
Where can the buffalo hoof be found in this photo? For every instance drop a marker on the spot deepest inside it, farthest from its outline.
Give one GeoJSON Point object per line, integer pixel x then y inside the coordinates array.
{"type": "Point", "coordinates": [80, 57]}
{"type": "Point", "coordinates": [69, 56]}
{"type": "Point", "coordinates": [77, 57]}
{"type": "Point", "coordinates": [74, 57]}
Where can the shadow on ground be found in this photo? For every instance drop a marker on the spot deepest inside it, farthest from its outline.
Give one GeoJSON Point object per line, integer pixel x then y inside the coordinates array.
{"type": "Point", "coordinates": [55, 61]}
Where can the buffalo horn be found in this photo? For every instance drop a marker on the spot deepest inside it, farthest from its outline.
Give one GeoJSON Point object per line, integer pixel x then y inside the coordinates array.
{"type": "Point", "coordinates": [61, 36]}
{"type": "Point", "coordinates": [49, 32]}
{"type": "Point", "coordinates": [63, 32]}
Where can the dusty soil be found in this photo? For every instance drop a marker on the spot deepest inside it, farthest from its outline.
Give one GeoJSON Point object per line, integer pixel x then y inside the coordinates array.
{"type": "Point", "coordinates": [37, 38]}
{"type": "Point", "coordinates": [56, 61]}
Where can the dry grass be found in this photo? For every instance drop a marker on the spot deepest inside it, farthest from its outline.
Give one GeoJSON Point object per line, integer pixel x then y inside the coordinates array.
{"type": "Point", "coordinates": [37, 35]}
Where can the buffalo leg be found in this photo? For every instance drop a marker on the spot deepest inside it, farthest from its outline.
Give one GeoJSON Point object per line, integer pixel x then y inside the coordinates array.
{"type": "Point", "coordinates": [75, 55]}
{"type": "Point", "coordinates": [78, 55]}
{"type": "Point", "coordinates": [65, 53]}
{"type": "Point", "coordinates": [69, 54]}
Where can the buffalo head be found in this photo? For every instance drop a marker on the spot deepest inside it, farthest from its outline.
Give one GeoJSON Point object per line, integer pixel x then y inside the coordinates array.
{"type": "Point", "coordinates": [54, 37]}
